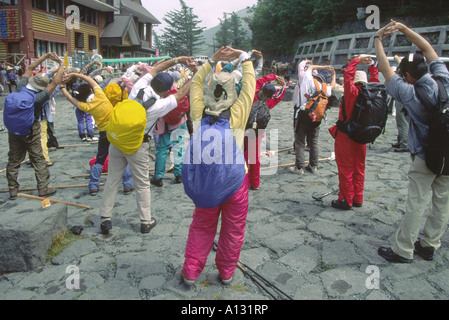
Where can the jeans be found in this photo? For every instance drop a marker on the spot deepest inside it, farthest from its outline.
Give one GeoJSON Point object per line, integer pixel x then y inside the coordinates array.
{"type": "Point", "coordinates": [82, 117]}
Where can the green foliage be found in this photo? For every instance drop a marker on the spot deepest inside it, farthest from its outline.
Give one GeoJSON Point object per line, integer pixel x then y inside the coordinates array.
{"type": "Point", "coordinates": [182, 35]}
{"type": "Point", "coordinates": [278, 24]}
{"type": "Point", "coordinates": [231, 33]}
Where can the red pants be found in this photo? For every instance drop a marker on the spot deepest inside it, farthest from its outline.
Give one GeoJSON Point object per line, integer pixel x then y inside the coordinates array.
{"type": "Point", "coordinates": [252, 157]}
{"type": "Point", "coordinates": [204, 228]}
{"type": "Point", "coordinates": [350, 157]}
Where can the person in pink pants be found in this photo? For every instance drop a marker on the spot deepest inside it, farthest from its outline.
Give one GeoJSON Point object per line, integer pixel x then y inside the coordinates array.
{"type": "Point", "coordinates": [233, 208]}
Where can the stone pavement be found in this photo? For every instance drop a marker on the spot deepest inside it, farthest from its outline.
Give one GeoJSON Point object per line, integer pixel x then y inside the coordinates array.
{"type": "Point", "coordinates": [304, 246]}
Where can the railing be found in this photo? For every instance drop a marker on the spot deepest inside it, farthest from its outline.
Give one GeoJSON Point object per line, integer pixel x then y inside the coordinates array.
{"type": "Point", "coordinates": [338, 48]}
{"type": "Point", "coordinates": [16, 57]}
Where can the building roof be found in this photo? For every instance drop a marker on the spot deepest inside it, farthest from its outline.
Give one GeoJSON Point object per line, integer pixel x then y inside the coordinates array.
{"type": "Point", "coordinates": [137, 10]}
{"type": "Point", "coordinates": [117, 31]}
{"type": "Point", "coordinates": [97, 5]}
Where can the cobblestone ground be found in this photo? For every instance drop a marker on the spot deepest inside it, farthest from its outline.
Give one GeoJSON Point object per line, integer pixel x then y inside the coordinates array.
{"type": "Point", "coordinates": [304, 246]}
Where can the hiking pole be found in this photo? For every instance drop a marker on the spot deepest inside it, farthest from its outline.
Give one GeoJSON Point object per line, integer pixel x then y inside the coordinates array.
{"type": "Point", "coordinates": [320, 198]}
{"type": "Point", "coordinates": [255, 277]}
{"type": "Point", "coordinates": [331, 158]}
{"type": "Point", "coordinates": [268, 283]}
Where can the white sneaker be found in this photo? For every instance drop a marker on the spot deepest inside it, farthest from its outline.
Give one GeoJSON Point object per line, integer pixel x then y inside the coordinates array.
{"type": "Point", "coordinates": [94, 139]}
{"type": "Point", "coordinates": [296, 170]}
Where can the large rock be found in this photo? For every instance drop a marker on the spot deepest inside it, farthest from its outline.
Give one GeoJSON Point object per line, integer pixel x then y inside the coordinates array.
{"type": "Point", "coordinates": [26, 234]}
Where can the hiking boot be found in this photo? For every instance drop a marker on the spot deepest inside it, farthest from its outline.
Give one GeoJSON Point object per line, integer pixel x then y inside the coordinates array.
{"type": "Point", "coordinates": [388, 254]}
{"type": "Point", "coordinates": [105, 226]}
{"type": "Point", "coordinates": [187, 282]}
{"type": "Point", "coordinates": [396, 145]}
{"type": "Point", "coordinates": [178, 179]}
{"type": "Point", "coordinates": [341, 204]}
{"type": "Point", "coordinates": [311, 169]}
{"type": "Point", "coordinates": [357, 205]}
{"type": "Point", "coordinates": [296, 170]}
{"type": "Point", "coordinates": [46, 192]}
{"type": "Point", "coordinates": [252, 188]}
{"type": "Point", "coordinates": [157, 182]}
{"type": "Point", "coordinates": [424, 252]}
{"type": "Point", "coordinates": [91, 138]}
{"type": "Point", "coordinates": [128, 191]}
{"type": "Point", "coordinates": [401, 149]}
{"type": "Point", "coordinates": [93, 192]}
{"type": "Point", "coordinates": [13, 193]}
{"type": "Point", "coordinates": [225, 282]}
{"type": "Point", "coordinates": [146, 227]}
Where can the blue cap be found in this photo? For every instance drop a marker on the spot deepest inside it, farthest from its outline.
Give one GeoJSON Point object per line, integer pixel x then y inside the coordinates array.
{"type": "Point", "coordinates": [268, 90]}
{"type": "Point", "coordinates": [162, 82]}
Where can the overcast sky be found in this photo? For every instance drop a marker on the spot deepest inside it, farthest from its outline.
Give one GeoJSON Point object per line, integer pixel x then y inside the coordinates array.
{"type": "Point", "coordinates": [207, 10]}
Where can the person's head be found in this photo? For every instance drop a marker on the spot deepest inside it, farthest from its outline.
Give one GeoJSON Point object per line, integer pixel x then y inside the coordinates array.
{"type": "Point", "coordinates": [266, 92]}
{"type": "Point", "coordinates": [412, 67]}
{"type": "Point", "coordinates": [341, 80]}
{"type": "Point", "coordinates": [39, 81]}
{"type": "Point", "coordinates": [162, 83]}
{"type": "Point", "coordinates": [319, 77]}
{"type": "Point", "coordinates": [360, 77]}
{"type": "Point", "coordinates": [220, 94]}
{"type": "Point", "coordinates": [326, 62]}
{"type": "Point", "coordinates": [83, 92]}
{"type": "Point", "coordinates": [115, 93]}
{"type": "Point", "coordinates": [348, 60]}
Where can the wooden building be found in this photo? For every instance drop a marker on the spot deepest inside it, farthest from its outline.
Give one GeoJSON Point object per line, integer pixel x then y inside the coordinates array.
{"type": "Point", "coordinates": [30, 28]}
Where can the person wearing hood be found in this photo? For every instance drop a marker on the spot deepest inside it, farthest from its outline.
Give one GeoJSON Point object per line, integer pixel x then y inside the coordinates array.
{"type": "Point", "coordinates": [222, 108]}
{"type": "Point", "coordinates": [31, 143]}
{"type": "Point", "coordinates": [349, 155]}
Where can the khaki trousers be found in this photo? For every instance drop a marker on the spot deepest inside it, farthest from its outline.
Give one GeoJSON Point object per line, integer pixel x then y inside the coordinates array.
{"type": "Point", "coordinates": [423, 183]}
{"type": "Point", "coordinates": [139, 165]}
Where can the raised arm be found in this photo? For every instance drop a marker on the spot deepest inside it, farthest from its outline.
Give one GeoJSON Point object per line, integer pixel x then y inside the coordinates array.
{"type": "Point", "coordinates": [159, 67]}
{"type": "Point", "coordinates": [419, 41]}
{"type": "Point", "coordinates": [382, 60]}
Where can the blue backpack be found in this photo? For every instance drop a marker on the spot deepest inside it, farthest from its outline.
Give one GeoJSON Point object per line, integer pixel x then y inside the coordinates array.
{"type": "Point", "coordinates": [211, 174]}
{"type": "Point", "coordinates": [18, 114]}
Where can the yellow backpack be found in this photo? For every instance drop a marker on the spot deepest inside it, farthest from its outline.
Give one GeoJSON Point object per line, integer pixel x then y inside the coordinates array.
{"type": "Point", "coordinates": [126, 128]}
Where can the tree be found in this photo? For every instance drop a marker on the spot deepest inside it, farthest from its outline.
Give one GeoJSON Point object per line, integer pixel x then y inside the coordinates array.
{"type": "Point", "coordinates": [182, 35]}
{"type": "Point", "coordinates": [232, 33]}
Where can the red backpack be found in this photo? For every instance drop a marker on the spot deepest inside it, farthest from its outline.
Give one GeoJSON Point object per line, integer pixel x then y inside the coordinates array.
{"type": "Point", "coordinates": [174, 116]}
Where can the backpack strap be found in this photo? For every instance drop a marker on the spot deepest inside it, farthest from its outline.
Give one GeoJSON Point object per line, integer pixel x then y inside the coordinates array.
{"type": "Point", "coordinates": [424, 98]}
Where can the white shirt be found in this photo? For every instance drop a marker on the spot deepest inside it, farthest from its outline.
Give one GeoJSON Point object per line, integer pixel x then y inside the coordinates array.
{"type": "Point", "coordinates": [160, 108]}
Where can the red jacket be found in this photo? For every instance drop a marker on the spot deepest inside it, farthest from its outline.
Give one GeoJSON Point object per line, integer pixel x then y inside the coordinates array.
{"type": "Point", "coordinates": [352, 91]}
{"type": "Point", "coordinates": [277, 97]}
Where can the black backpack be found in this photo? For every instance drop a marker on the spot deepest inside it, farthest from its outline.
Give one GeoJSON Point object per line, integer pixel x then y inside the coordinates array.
{"type": "Point", "coordinates": [369, 116]}
{"type": "Point", "coordinates": [259, 116]}
{"type": "Point", "coordinates": [437, 149]}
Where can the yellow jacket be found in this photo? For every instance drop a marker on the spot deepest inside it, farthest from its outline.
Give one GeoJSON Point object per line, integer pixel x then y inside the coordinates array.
{"type": "Point", "coordinates": [99, 107]}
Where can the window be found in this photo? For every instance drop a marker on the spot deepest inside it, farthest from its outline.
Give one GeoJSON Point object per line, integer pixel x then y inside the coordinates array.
{"type": "Point", "coordinates": [53, 6]}
{"type": "Point", "coordinates": [41, 47]}
{"type": "Point", "coordinates": [79, 40]}
{"type": "Point", "coordinates": [92, 42]}
{"type": "Point", "coordinates": [8, 3]}
{"type": "Point", "coordinates": [87, 14]}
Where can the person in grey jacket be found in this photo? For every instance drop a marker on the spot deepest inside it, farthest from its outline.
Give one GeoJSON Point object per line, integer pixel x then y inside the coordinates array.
{"type": "Point", "coordinates": [422, 181]}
